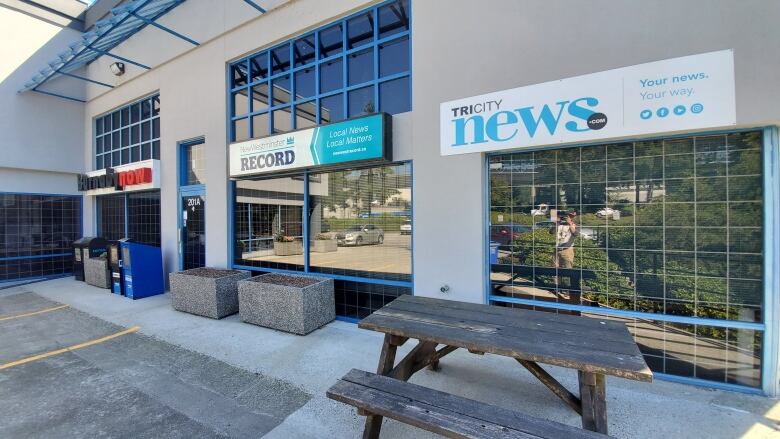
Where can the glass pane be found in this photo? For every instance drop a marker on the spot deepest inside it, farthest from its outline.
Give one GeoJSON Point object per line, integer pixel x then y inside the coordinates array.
{"type": "Point", "coordinates": [146, 109]}
{"type": "Point", "coordinates": [156, 128]}
{"type": "Point", "coordinates": [260, 97]}
{"type": "Point", "coordinates": [304, 83]}
{"type": "Point", "coordinates": [146, 151]}
{"type": "Point", "coordinates": [394, 57]}
{"type": "Point", "coordinates": [331, 75]}
{"type": "Point", "coordinates": [361, 67]}
{"type": "Point", "coordinates": [393, 18]}
{"type": "Point", "coordinates": [240, 102]}
{"type": "Point", "coordinates": [282, 120]}
{"type": "Point", "coordinates": [258, 67]}
{"type": "Point", "coordinates": [671, 231]}
{"type": "Point", "coordinates": [305, 115]}
{"type": "Point", "coordinates": [268, 223]}
{"type": "Point", "coordinates": [195, 164]}
{"type": "Point", "coordinates": [240, 130]}
{"type": "Point", "coordinates": [261, 127]}
{"type": "Point", "coordinates": [331, 41]}
{"type": "Point", "coordinates": [394, 96]}
{"type": "Point", "coordinates": [281, 90]}
{"type": "Point", "coordinates": [125, 116]}
{"type": "Point", "coordinates": [360, 30]}
{"type": "Point", "coordinates": [135, 134]}
{"type": "Point", "coordinates": [280, 59]}
{"type": "Point", "coordinates": [156, 106]}
{"type": "Point", "coordinates": [125, 137]}
{"type": "Point", "coordinates": [361, 101]}
{"type": "Point", "coordinates": [332, 108]}
{"type": "Point", "coordinates": [143, 217]}
{"type": "Point", "coordinates": [303, 49]}
{"type": "Point", "coordinates": [135, 113]}
{"type": "Point", "coordinates": [135, 154]}
{"type": "Point", "coordinates": [156, 150]}
{"type": "Point", "coordinates": [239, 74]}
{"type": "Point", "coordinates": [360, 222]}
{"type": "Point", "coordinates": [99, 126]}
{"type": "Point", "coordinates": [146, 131]}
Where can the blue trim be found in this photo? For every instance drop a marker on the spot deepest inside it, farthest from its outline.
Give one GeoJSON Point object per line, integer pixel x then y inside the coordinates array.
{"type": "Point", "coordinates": [626, 139]}
{"type": "Point", "coordinates": [304, 219]}
{"type": "Point", "coordinates": [255, 5]}
{"type": "Point", "coordinates": [707, 384]}
{"type": "Point", "coordinates": [18, 258]}
{"type": "Point", "coordinates": [11, 283]}
{"type": "Point", "coordinates": [771, 229]}
{"type": "Point", "coordinates": [347, 319]}
{"type": "Point", "coordinates": [634, 314]}
{"type": "Point", "coordinates": [57, 95]}
{"type": "Point", "coordinates": [343, 91]}
{"type": "Point", "coordinates": [43, 193]}
{"type": "Point", "coordinates": [366, 280]}
{"type": "Point", "coordinates": [163, 28]}
{"type": "Point", "coordinates": [187, 191]}
{"type": "Point", "coordinates": [125, 21]}
{"type": "Point", "coordinates": [87, 79]}
{"type": "Point", "coordinates": [122, 58]}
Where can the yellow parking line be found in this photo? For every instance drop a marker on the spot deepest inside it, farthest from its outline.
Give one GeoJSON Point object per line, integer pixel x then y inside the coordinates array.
{"type": "Point", "coordinates": [69, 348]}
{"type": "Point", "coordinates": [33, 313]}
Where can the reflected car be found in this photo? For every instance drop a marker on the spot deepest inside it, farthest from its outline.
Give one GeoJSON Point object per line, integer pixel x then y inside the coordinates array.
{"type": "Point", "coordinates": [504, 234]}
{"type": "Point", "coordinates": [406, 227]}
{"type": "Point", "coordinates": [606, 212]}
{"type": "Point", "coordinates": [361, 235]}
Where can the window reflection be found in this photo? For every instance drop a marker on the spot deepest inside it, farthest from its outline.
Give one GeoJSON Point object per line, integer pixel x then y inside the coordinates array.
{"type": "Point", "coordinates": [268, 223]}
{"type": "Point", "coordinates": [360, 222]}
{"type": "Point", "coordinates": [665, 226]}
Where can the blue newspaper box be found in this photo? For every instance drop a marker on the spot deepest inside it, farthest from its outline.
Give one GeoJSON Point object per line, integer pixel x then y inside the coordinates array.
{"type": "Point", "coordinates": [494, 252]}
{"type": "Point", "coordinates": [142, 270]}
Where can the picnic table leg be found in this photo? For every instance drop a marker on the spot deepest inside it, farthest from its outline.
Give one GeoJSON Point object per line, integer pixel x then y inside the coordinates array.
{"type": "Point", "coordinates": [386, 362]}
{"type": "Point", "coordinates": [593, 397]}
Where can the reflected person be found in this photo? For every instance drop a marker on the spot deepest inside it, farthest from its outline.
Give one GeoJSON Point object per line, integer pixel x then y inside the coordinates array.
{"type": "Point", "coordinates": [565, 235]}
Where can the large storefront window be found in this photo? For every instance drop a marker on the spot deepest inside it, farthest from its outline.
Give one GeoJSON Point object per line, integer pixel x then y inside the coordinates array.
{"type": "Point", "coordinates": [356, 66]}
{"type": "Point", "coordinates": [359, 228]}
{"type": "Point", "coordinates": [129, 134]}
{"type": "Point", "coordinates": [663, 227]}
{"type": "Point", "coordinates": [133, 215]}
{"type": "Point", "coordinates": [36, 234]}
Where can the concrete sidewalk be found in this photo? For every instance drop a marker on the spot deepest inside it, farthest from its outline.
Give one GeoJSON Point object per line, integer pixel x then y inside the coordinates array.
{"type": "Point", "coordinates": [316, 361]}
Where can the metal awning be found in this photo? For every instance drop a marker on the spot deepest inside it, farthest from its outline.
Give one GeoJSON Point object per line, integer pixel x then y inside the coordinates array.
{"type": "Point", "coordinates": [125, 21]}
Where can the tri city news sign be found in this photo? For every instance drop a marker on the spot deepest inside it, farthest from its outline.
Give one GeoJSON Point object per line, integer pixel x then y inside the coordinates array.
{"type": "Point", "coordinates": [679, 94]}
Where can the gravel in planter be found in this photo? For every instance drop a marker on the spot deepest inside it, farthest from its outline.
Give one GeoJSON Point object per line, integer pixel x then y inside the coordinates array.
{"type": "Point", "coordinates": [290, 303]}
{"type": "Point", "coordinates": [208, 292]}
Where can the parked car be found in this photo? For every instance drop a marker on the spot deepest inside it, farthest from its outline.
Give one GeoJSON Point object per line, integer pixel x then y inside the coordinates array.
{"type": "Point", "coordinates": [406, 227]}
{"type": "Point", "coordinates": [504, 234]}
{"type": "Point", "coordinates": [606, 212]}
{"type": "Point", "coordinates": [543, 209]}
{"type": "Point", "coordinates": [360, 235]}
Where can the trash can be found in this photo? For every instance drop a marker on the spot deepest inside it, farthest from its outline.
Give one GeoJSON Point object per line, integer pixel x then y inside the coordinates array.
{"type": "Point", "coordinates": [115, 267]}
{"type": "Point", "coordinates": [142, 271]}
{"type": "Point", "coordinates": [494, 252]}
{"type": "Point", "coordinates": [84, 248]}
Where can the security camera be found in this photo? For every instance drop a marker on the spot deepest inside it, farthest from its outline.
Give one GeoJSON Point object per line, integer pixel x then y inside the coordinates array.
{"type": "Point", "coordinates": [117, 68]}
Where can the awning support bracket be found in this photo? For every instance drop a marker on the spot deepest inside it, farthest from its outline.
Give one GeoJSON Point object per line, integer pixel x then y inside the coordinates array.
{"type": "Point", "coordinates": [163, 28]}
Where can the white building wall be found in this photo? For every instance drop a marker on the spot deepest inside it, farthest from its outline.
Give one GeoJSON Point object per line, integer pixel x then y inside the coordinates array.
{"type": "Point", "coordinates": [460, 49]}
{"type": "Point", "coordinates": [37, 133]}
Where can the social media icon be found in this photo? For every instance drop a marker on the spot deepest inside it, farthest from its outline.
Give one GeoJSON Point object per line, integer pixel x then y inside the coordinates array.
{"type": "Point", "coordinates": [679, 110]}
{"type": "Point", "coordinates": [697, 108]}
{"type": "Point", "coordinates": [646, 114]}
{"type": "Point", "coordinates": [662, 112]}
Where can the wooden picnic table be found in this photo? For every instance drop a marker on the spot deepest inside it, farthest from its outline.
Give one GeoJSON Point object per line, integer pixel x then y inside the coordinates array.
{"type": "Point", "coordinates": [593, 347]}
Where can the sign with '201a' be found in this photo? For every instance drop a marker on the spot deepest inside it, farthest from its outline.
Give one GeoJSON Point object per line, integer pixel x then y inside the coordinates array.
{"type": "Point", "coordinates": [692, 92]}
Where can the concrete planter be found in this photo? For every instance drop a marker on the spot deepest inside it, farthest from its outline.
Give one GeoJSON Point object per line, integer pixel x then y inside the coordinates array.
{"type": "Point", "coordinates": [324, 246]}
{"type": "Point", "coordinates": [96, 272]}
{"type": "Point", "coordinates": [208, 292]}
{"type": "Point", "coordinates": [297, 304]}
{"type": "Point", "coordinates": [288, 248]}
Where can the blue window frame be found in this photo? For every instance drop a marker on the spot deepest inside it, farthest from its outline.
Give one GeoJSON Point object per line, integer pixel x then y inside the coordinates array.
{"type": "Point", "coordinates": [702, 294]}
{"type": "Point", "coordinates": [128, 134]}
{"type": "Point", "coordinates": [358, 65]}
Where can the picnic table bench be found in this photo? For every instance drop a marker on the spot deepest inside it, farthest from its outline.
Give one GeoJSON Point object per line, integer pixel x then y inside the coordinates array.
{"type": "Point", "coordinates": [593, 347]}
{"type": "Point", "coordinates": [442, 413]}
